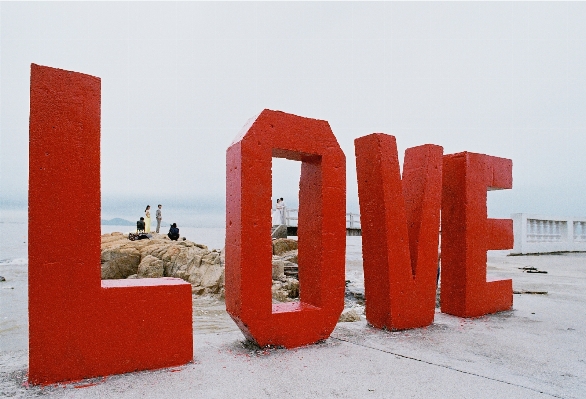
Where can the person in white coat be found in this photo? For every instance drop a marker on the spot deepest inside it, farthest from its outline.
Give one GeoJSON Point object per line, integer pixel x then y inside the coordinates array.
{"type": "Point", "coordinates": [283, 208]}
{"type": "Point", "coordinates": [278, 214]}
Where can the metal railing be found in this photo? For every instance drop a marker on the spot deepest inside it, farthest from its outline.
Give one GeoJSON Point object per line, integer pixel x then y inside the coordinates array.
{"type": "Point", "coordinates": [292, 218]}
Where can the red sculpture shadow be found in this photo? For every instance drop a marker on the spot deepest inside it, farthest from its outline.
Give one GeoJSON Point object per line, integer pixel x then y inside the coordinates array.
{"type": "Point", "coordinates": [467, 234]}
{"type": "Point", "coordinates": [79, 328]}
{"type": "Point", "coordinates": [321, 230]}
{"type": "Point", "coordinates": [400, 225]}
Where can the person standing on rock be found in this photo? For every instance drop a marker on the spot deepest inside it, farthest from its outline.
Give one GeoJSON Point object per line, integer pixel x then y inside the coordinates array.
{"type": "Point", "coordinates": [159, 217]}
{"type": "Point", "coordinates": [147, 219]}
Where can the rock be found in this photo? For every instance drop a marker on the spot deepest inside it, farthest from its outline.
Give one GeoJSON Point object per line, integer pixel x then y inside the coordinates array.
{"type": "Point", "coordinates": [290, 257]}
{"type": "Point", "coordinates": [279, 231]}
{"type": "Point", "coordinates": [195, 263]}
{"type": "Point", "coordinates": [278, 293]}
{"type": "Point", "coordinates": [349, 316]}
{"type": "Point", "coordinates": [278, 269]}
{"type": "Point", "coordinates": [285, 290]}
{"type": "Point", "coordinates": [150, 267]}
{"type": "Point", "coordinates": [292, 287]}
{"type": "Point", "coordinates": [213, 279]}
{"type": "Point", "coordinates": [119, 262]}
{"type": "Point", "coordinates": [2, 278]}
{"type": "Point", "coordinates": [282, 245]}
{"type": "Point", "coordinates": [192, 262]}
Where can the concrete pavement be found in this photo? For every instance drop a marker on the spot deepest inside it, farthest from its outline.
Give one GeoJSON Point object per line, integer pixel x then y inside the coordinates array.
{"type": "Point", "coordinates": [536, 350]}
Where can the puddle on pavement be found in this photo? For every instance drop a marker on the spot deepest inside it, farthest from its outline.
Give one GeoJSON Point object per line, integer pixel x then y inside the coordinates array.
{"type": "Point", "coordinates": [210, 316]}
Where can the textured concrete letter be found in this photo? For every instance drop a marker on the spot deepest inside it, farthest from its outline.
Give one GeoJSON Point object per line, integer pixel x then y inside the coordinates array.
{"type": "Point", "coordinates": [322, 230]}
{"type": "Point", "coordinates": [467, 234]}
{"type": "Point", "coordinates": [400, 226]}
{"type": "Point", "coordinates": [77, 327]}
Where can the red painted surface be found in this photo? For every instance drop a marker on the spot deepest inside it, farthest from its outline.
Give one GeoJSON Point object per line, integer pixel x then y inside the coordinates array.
{"type": "Point", "coordinates": [467, 234]}
{"type": "Point", "coordinates": [322, 230]}
{"type": "Point", "coordinates": [81, 327]}
{"type": "Point", "coordinates": [400, 224]}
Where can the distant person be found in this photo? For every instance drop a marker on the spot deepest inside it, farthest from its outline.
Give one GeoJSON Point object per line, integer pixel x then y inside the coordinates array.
{"type": "Point", "coordinates": [277, 213]}
{"type": "Point", "coordinates": [140, 225]}
{"type": "Point", "coordinates": [159, 217]}
{"type": "Point", "coordinates": [173, 232]}
{"type": "Point", "coordinates": [283, 210]}
{"type": "Point", "coordinates": [147, 219]}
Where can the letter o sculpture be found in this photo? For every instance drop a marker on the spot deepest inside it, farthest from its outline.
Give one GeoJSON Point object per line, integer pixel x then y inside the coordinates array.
{"type": "Point", "coordinates": [321, 230]}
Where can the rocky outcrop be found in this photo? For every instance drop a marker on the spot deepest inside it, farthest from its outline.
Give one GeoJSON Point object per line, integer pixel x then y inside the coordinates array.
{"type": "Point", "coordinates": [282, 245]}
{"type": "Point", "coordinates": [150, 267]}
{"type": "Point", "coordinates": [119, 261]}
{"type": "Point", "coordinates": [192, 262]}
{"type": "Point", "coordinates": [161, 257]}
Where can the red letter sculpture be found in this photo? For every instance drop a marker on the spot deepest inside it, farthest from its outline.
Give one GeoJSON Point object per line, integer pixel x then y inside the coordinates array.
{"type": "Point", "coordinates": [321, 230]}
{"type": "Point", "coordinates": [400, 225]}
{"type": "Point", "coordinates": [77, 327]}
{"type": "Point", "coordinates": [467, 234]}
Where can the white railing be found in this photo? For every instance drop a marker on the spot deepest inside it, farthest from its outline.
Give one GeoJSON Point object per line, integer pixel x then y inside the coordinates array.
{"type": "Point", "coordinates": [292, 217]}
{"type": "Point", "coordinates": [542, 234]}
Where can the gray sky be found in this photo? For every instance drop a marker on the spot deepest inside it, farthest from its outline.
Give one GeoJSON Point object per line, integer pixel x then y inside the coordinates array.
{"type": "Point", "coordinates": [179, 80]}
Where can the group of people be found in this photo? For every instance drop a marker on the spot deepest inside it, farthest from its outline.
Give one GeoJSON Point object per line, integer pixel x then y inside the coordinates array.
{"type": "Point", "coordinates": [146, 220]}
{"type": "Point", "coordinates": [279, 214]}
{"type": "Point", "coordinates": [144, 224]}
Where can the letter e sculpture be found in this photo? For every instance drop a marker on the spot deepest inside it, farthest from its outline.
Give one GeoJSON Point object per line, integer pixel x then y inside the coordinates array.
{"type": "Point", "coordinates": [467, 234]}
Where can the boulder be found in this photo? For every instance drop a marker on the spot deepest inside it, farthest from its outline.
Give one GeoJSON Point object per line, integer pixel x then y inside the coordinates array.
{"type": "Point", "coordinates": [349, 316]}
{"type": "Point", "coordinates": [212, 279]}
{"type": "Point", "coordinates": [150, 267]}
{"type": "Point", "coordinates": [282, 245]}
{"type": "Point", "coordinates": [278, 269]}
{"type": "Point", "coordinates": [285, 290]}
{"type": "Point", "coordinates": [290, 257]}
{"type": "Point", "coordinates": [279, 231]}
{"type": "Point", "coordinates": [119, 262]}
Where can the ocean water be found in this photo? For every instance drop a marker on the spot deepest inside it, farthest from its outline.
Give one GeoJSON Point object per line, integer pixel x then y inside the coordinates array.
{"type": "Point", "coordinates": [14, 233]}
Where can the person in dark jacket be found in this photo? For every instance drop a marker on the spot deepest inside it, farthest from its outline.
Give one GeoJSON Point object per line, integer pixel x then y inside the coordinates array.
{"type": "Point", "coordinates": [173, 232]}
{"type": "Point", "coordinates": [140, 225]}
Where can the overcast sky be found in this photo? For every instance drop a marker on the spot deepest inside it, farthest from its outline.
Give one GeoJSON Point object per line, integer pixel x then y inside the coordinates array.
{"type": "Point", "coordinates": [179, 80]}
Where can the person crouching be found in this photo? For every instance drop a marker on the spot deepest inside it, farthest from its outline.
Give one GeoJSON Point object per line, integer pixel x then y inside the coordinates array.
{"type": "Point", "coordinates": [173, 232]}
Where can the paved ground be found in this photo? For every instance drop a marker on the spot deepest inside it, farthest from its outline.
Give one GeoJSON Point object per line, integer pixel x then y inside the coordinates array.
{"type": "Point", "coordinates": [536, 350]}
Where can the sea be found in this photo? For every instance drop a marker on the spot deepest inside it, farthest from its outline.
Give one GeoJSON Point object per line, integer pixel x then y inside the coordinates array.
{"type": "Point", "coordinates": [14, 232]}
{"type": "Point", "coordinates": [201, 227]}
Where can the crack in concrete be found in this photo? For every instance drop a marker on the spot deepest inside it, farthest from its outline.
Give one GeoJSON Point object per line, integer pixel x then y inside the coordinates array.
{"type": "Point", "coordinates": [447, 367]}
